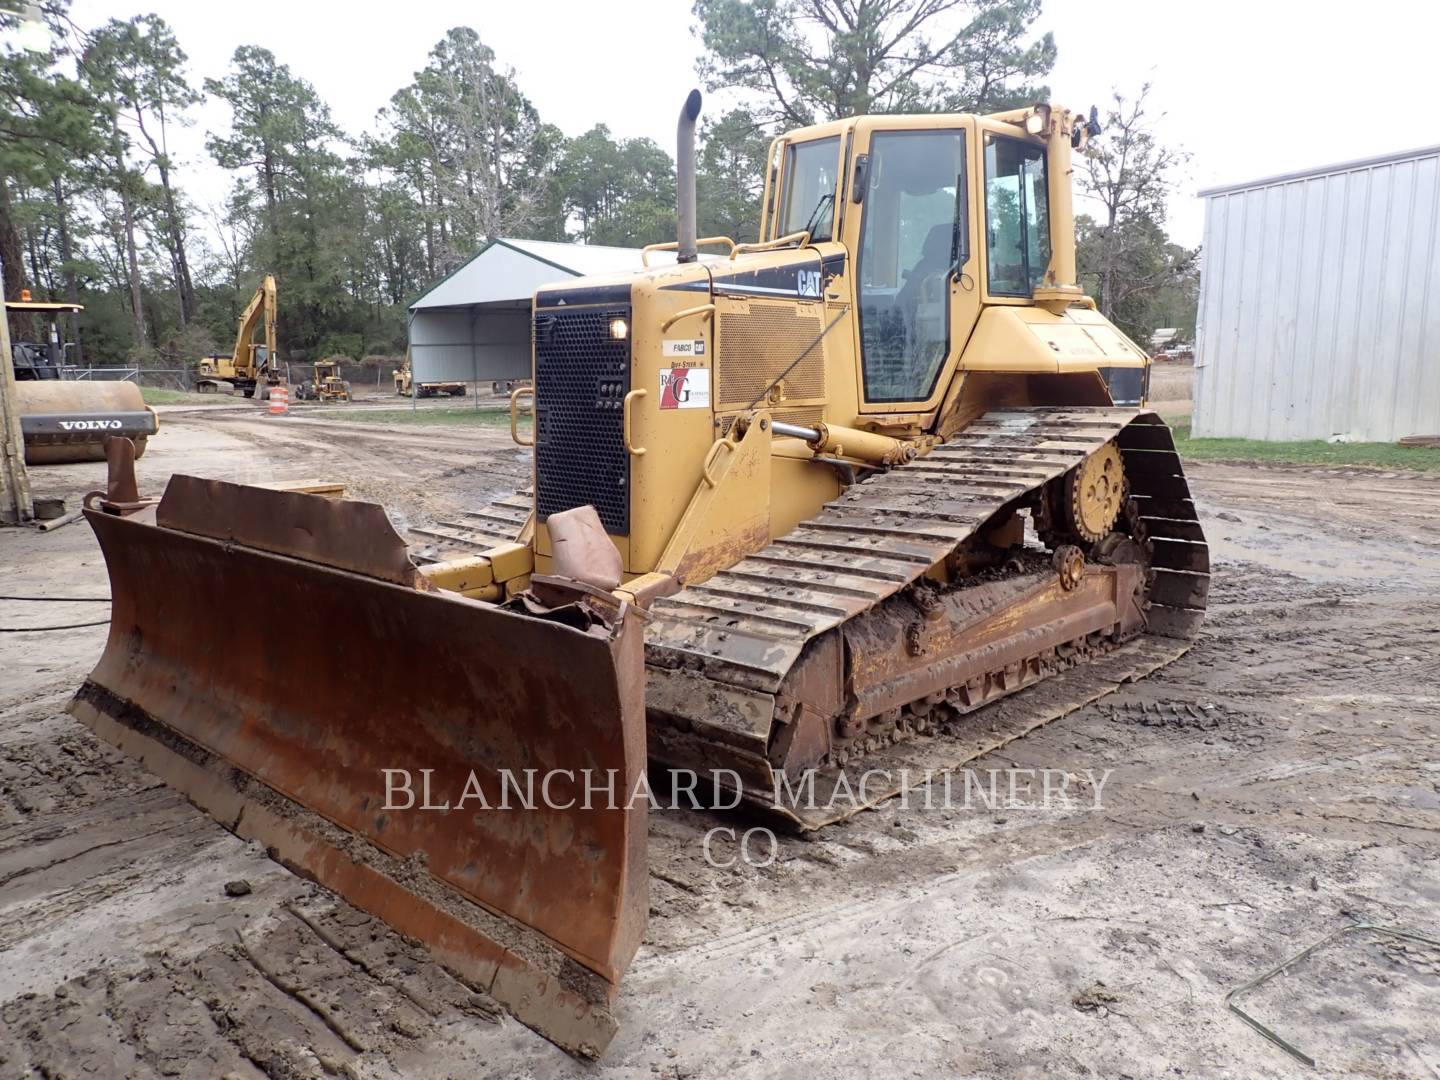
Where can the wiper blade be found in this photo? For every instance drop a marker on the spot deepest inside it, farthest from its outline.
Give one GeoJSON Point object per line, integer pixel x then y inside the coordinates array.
{"type": "Point", "coordinates": [814, 218]}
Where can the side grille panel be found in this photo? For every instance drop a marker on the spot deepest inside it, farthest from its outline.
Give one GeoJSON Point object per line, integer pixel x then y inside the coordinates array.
{"type": "Point", "coordinates": [755, 345]}
{"type": "Point", "coordinates": [581, 379]}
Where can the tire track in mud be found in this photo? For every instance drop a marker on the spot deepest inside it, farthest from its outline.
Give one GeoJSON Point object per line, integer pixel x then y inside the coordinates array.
{"type": "Point", "coordinates": [324, 992]}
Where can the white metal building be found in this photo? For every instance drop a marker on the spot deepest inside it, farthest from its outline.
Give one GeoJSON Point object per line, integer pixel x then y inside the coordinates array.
{"type": "Point", "coordinates": [474, 323]}
{"type": "Point", "coordinates": [1320, 303]}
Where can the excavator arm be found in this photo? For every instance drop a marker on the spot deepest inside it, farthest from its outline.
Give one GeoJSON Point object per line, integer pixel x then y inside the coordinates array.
{"type": "Point", "coordinates": [262, 306]}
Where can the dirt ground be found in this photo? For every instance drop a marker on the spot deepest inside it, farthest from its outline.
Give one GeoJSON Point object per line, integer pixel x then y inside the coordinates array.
{"type": "Point", "coordinates": [1279, 782]}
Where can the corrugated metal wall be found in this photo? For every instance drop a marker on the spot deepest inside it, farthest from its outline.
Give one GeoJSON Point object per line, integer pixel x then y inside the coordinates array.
{"type": "Point", "coordinates": [482, 342]}
{"type": "Point", "coordinates": [1319, 314]}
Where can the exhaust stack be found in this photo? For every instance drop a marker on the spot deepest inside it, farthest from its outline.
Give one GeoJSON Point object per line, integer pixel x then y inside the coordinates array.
{"type": "Point", "coordinates": [685, 179]}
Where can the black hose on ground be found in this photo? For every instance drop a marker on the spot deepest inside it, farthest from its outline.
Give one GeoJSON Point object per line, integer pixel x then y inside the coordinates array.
{"type": "Point", "coordinates": [55, 600]}
{"type": "Point", "coordinates": [42, 629]}
{"type": "Point", "coordinates": [60, 599]}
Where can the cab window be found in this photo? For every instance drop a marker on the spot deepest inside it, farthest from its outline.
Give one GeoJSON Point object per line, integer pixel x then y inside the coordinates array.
{"type": "Point", "coordinates": [1017, 216]}
{"type": "Point", "coordinates": [810, 179]}
{"type": "Point", "coordinates": [912, 241]}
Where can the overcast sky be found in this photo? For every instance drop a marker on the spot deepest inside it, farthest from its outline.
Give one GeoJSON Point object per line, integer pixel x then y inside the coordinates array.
{"type": "Point", "coordinates": [1249, 87]}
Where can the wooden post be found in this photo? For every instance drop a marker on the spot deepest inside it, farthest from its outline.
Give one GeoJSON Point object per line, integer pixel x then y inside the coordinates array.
{"type": "Point", "coordinates": [15, 502]}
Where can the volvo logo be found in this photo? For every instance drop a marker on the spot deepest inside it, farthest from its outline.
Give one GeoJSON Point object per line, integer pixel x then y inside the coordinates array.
{"type": "Point", "coordinates": [90, 425]}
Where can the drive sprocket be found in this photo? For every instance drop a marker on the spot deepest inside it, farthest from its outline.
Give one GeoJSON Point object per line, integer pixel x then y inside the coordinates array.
{"type": "Point", "coordinates": [1095, 493]}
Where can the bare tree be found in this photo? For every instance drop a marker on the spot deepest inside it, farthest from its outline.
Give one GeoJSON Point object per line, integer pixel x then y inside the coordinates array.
{"type": "Point", "coordinates": [1130, 173]}
{"type": "Point", "coordinates": [808, 60]}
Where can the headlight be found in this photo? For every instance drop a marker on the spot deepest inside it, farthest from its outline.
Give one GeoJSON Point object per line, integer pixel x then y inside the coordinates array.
{"type": "Point", "coordinates": [619, 329]}
{"type": "Point", "coordinates": [1034, 123]}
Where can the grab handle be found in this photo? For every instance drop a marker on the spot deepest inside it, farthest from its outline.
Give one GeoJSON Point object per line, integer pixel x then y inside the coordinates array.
{"type": "Point", "coordinates": [514, 417]}
{"type": "Point", "coordinates": [635, 451]}
{"type": "Point", "coordinates": [714, 451]}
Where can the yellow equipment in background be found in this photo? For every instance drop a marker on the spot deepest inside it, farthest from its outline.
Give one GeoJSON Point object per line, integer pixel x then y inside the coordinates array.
{"type": "Point", "coordinates": [405, 386]}
{"type": "Point", "coordinates": [326, 385]}
{"type": "Point", "coordinates": [252, 367]}
{"type": "Point", "coordinates": [799, 513]}
{"type": "Point", "coordinates": [66, 419]}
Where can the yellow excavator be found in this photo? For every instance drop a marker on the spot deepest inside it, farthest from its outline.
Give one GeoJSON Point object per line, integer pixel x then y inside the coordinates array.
{"type": "Point", "coordinates": [800, 514]}
{"type": "Point", "coordinates": [253, 367]}
{"type": "Point", "coordinates": [65, 419]}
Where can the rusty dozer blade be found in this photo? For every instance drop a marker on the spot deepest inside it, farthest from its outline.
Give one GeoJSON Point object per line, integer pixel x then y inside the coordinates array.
{"type": "Point", "coordinates": [276, 658]}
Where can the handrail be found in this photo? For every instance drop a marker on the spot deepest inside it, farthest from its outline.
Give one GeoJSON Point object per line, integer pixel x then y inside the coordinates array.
{"type": "Point", "coordinates": [799, 239]}
{"type": "Point", "coordinates": [674, 245]}
{"type": "Point", "coordinates": [634, 451]}
{"type": "Point", "coordinates": [514, 430]}
{"type": "Point", "coordinates": [715, 448]}
{"type": "Point", "coordinates": [707, 310]}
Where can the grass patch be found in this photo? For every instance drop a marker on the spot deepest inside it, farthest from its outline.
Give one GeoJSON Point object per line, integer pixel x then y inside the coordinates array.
{"type": "Point", "coordinates": [456, 417]}
{"type": "Point", "coordinates": [153, 395]}
{"type": "Point", "coordinates": [1311, 452]}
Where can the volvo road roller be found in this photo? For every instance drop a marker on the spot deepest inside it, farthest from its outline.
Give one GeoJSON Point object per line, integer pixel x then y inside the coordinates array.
{"type": "Point", "coordinates": [65, 413]}
{"type": "Point", "coordinates": [802, 509]}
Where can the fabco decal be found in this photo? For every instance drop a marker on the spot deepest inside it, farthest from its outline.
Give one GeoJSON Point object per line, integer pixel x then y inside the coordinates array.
{"type": "Point", "coordinates": [683, 347]}
{"type": "Point", "coordinates": [807, 282]}
{"type": "Point", "coordinates": [90, 425]}
{"type": "Point", "coordinates": [684, 388]}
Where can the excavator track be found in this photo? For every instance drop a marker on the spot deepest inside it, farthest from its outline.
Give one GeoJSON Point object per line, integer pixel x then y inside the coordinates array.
{"type": "Point", "coordinates": [728, 659]}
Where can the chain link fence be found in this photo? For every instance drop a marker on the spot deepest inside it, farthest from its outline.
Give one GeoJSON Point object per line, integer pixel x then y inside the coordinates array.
{"type": "Point", "coordinates": [161, 378]}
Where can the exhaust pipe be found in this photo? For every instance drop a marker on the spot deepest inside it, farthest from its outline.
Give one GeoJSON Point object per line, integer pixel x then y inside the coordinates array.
{"type": "Point", "coordinates": [685, 179]}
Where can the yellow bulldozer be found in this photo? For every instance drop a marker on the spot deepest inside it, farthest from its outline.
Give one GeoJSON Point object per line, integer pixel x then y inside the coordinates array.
{"type": "Point", "coordinates": [252, 367]}
{"type": "Point", "coordinates": [326, 384]}
{"type": "Point", "coordinates": [801, 511]}
{"type": "Point", "coordinates": [64, 418]}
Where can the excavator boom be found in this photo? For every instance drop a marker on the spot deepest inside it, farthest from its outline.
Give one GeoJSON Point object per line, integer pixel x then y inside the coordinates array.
{"type": "Point", "coordinates": [251, 364]}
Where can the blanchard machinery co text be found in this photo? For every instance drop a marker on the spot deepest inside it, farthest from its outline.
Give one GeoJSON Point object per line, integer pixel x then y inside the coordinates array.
{"type": "Point", "coordinates": [719, 789]}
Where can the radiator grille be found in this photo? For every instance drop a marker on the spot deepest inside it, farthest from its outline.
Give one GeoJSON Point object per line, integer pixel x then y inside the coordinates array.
{"type": "Point", "coordinates": [755, 346]}
{"type": "Point", "coordinates": [581, 378]}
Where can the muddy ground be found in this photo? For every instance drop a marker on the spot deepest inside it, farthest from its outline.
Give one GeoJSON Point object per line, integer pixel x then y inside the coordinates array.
{"type": "Point", "coordinates": [1279, 782]}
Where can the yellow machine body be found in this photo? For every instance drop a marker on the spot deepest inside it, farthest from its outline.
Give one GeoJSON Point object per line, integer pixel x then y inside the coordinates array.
{"type": "Point", "coordinates": [326, 384]}
{"type": "Point", "coordinates": [252, 366]}
{"type": "Point", "coordinates": [739, 323]}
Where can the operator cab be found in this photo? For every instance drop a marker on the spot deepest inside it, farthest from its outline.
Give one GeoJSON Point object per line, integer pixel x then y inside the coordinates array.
{"type": "Point", "coordinates": [938, 218]}
{"type": "Point", "coordinates": [41, 360]}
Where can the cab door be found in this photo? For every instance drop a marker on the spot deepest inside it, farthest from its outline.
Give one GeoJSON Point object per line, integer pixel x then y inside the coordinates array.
{"type": "Point", "coordinates": [910, 223]}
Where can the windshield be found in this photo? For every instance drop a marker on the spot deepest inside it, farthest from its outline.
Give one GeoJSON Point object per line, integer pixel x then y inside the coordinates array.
{"type": "Point", "coordinates": [1017, 216]}
{"type": "Point", "coordinates": [810, 179]}
{"type": "Point", "coordinates": [911, 242]}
